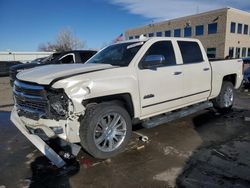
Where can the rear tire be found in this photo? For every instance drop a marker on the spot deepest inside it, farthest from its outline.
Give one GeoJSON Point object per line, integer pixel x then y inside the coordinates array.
{"type": "Point", "coordinates": [105, 130]}
{"type": "Point", "coordinates": [224, 101]}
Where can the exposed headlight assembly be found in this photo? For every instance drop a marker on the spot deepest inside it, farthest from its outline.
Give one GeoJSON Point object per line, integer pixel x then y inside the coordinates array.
{"type": "Point", "coordinates": [58, 108]}
{"type": "Point", "coordinates": [59, 103]}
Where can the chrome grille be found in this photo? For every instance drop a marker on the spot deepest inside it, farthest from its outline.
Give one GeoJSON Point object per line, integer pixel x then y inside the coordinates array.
{"type": "Point", "coordinates": [30, 97]}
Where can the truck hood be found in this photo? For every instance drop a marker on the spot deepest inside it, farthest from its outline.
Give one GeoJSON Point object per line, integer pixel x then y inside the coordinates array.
{"type": "Point", "coordinates": [46, 74]}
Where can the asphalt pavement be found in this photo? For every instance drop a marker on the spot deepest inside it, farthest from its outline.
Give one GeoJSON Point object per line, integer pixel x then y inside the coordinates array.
{"type": "Point", "coordinates": [206, 149]}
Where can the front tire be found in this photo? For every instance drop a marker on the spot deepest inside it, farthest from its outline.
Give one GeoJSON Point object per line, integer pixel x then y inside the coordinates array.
{"type": "Point", "coordinates": [105, 130]}
{"type": "Point", "coordinates": [225, 99]}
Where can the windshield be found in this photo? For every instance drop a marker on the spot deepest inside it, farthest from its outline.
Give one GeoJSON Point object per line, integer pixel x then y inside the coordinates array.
{"type": "Point", "coordinates": [118, 54]}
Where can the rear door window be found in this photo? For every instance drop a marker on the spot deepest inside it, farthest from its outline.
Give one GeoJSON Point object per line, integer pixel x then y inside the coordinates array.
{"type": "Point", "coordinates": [190, 51]}
{"type": "Point", "coordinates": [67, 59]}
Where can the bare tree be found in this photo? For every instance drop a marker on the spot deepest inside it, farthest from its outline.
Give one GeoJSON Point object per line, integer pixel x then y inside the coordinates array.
{"type": "Point", "coordinates": [65, 41]}
{"type": "Point", "coordinates": [48, 47]}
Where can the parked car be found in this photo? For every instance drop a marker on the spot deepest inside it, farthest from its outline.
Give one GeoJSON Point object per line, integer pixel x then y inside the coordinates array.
{"type": "Point", "coordinates": [75, 56]}
{"type": "Point", "coordinates": [246, 79]}
{"type": "Point", "coordinates": [150, 80]}
{"type": "Point", "coordinates": [5, 67]}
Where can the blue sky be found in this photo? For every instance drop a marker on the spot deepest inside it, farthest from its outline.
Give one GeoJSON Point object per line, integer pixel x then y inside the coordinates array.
{"type": "Point", "coordinates": [27, 23]}
{"type": "Point", "coordinates": [24, 24]}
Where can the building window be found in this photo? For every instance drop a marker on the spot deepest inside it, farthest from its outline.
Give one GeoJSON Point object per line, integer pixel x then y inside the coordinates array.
{"type": "Point", "coordinates": [188, 49]}
{"type": "Point", "coordinates": [199, 30]}
{"type": "Point", "coordinates": [159, 34]}
{"type": "Point", "coordinates": [137, 36]}
{"type": "Point", "coordinates": [231, 52]}
{"type": "Point", "coordinates": [177, 32]}
{"type": "Point", "coordinates": [150, 34]}
{"type": "Point", "coordinates": [187, 31]}
{"type": "Point", "coordinates": [237, 55]}
{"type": "Point", "coordinates": [248, 52]}
{"type": "Point", "coordinates": [130, 38]}
{"type": "Point", "coordinates": [244, 52]}
{"type": "Point", "coordinates": [239, 30]}
{"type": "Point", "coordinates": [168, 33]}
{"type": "Point", "coordinates": [211, 53]}
{"type": "Point", "coordinates": [245, 29]}
{"type": "Point", "coordinates": [233, 25]}
{"type": "Point", "coordinates": [212, 28]}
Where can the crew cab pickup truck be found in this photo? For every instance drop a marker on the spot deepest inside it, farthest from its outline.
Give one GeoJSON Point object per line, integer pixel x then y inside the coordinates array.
{"type": "Point", "coordinates": [95, 104]}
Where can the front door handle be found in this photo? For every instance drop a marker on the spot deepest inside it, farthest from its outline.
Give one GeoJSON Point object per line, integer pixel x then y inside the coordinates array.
{"type": "Point", "coordinates": [177, 73]}
{"type": "Point", "coordinates": [206, 69]}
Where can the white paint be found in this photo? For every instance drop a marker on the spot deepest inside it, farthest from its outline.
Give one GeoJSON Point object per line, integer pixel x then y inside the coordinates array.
{"type": "Point", "coordinates": [169, 150]}
{"type": "Point", "coordinates": [169, 176]}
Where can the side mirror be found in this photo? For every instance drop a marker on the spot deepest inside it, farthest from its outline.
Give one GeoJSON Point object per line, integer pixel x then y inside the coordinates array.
{"type": "Point", "coordinates": [152, 61]}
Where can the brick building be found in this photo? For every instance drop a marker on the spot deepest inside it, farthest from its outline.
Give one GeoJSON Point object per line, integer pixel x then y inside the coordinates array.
{"type": "Point", "coordinates": [223, 32]}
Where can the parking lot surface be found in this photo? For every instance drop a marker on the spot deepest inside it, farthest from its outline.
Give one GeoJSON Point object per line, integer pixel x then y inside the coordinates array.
{"type": "Point", "coordinates": [206, 149]}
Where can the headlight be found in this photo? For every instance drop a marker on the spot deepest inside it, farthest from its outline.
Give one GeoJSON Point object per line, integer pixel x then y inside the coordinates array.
{"type": "Point", "coordinates": [59, 102]}
{"type": "Point", "coordinates": [58, 108]}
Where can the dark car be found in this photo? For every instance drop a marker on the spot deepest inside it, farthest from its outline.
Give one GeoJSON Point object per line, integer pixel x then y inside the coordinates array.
{"type": "Point", "coordinates": [5, 67]}
{"type": "Point", "coordinates": [75, 56]}
{"type": "Point", "coordinates": [246, 78]}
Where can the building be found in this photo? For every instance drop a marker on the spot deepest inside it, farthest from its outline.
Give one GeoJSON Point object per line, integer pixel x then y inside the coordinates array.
{"type": "Point", "coordinates": [22, 56]}
{"type": "Point", "coordinates": [223, 32]}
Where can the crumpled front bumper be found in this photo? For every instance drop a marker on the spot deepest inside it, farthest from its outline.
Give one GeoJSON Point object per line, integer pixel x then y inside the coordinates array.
{"type": "Point", "coordinates": [37, 141]}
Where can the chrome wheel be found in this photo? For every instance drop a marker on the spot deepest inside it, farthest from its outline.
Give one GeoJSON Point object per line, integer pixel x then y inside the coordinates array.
{"type": "Point", "coordinates": [109, 132]}
{"type": "Point", "coordinates": [228, 97]}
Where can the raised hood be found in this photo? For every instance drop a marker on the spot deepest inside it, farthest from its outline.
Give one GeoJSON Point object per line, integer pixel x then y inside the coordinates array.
{"type": "Point", "coordinates": [46, 74]}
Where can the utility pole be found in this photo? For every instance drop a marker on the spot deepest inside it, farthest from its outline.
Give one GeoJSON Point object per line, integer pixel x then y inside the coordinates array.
{"type": "Point", "coordinates": [197, 9]}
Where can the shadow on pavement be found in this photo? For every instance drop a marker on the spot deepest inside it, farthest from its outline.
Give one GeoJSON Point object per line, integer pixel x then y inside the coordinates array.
{"type": "Point", "coordinates": [44, 174]}
{"type": "Point", "coordinates": [221, 162]}
{"type": "Point", "coordinates": [6, 105]}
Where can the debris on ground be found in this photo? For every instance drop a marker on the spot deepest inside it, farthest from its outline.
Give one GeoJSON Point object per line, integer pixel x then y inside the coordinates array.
{"type": "Point", "coordinates": [86, 162]}
{"type": "Point", "coordinates": [107, 161]}
{"type": "Point", "coordinates": [217, 113]}
{"type": "Point", "coordinates": [140, 147]}
{"type": "Point", "coordinates": [66, 155]}
{"type": "Point", "coordinates": [246, 118]}
{"type": "Point", "coordinates": [142, 137]}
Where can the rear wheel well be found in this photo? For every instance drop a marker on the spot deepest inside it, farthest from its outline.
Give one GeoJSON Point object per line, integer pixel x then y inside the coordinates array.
{"type": "Point", "coordinates": [124, 99]}
{"type": "Point", "coordinates": [230, 78]}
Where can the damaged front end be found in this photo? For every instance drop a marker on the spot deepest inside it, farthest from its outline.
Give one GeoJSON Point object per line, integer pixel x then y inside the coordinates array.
{"type": "Point", "coordinates": [42, 113]}
{"type": "Point", "coordinates": [35, 101]}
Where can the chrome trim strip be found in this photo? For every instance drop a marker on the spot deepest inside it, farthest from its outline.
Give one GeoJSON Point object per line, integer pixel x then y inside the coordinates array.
{"type": "Point", "coordinates": [28, 86]}
{"type": "Point", "coordinates": [27, 96]}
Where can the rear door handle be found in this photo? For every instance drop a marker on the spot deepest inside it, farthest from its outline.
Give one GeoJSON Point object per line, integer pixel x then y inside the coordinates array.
{"type": "Point", "coordinates": [206, 69]}
{"type": "Point", "coordinates": [177, 73]}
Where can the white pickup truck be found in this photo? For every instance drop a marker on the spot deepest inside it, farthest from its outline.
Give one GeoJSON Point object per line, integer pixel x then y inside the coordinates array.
{"type": "Point", "coordinates": [95, 104]}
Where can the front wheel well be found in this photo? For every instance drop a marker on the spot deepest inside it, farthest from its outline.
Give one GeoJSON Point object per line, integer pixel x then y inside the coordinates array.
{"type": "Point", "coordinates": [124, 99]}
